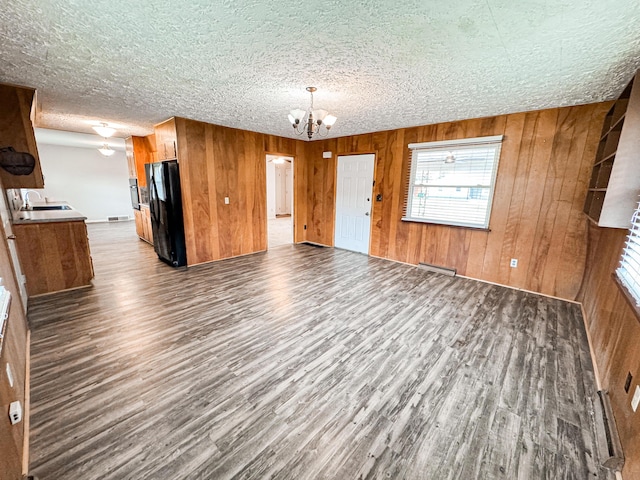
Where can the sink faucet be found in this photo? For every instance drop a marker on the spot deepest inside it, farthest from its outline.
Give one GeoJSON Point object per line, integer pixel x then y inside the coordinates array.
{"type": "Point", "coordinates": [26, 198]}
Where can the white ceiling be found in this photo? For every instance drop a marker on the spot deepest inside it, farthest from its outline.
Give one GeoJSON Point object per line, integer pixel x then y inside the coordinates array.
{"type": "Point", "coordinates": [377, 64]}
{"type": "Point", "coordinates": [79, 140]}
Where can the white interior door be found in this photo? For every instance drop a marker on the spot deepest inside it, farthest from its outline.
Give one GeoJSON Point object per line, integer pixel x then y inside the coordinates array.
{"type": "Point", "coordinates": [281, 187]}
{"type": "Point", "coordinates": [353, 202]}
{"type": "Point", "coordinates": [289, 188]}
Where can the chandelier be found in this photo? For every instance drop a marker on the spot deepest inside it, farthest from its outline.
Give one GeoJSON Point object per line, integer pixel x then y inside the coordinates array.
{"type": "Point", "coordinates": [311, 120]}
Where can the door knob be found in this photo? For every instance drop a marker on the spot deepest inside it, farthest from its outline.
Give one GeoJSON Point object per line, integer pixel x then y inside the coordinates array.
{"type": "Point", "coordinates": [367, 214]}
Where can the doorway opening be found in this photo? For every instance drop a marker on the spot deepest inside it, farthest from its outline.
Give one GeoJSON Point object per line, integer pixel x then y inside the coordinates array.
{"type": "Point", "coordinates": [279, 200]}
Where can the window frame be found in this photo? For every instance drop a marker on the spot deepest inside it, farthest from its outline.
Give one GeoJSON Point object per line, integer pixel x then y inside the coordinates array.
{"type": "Point", "coordinates": [415, 148]}
{"type": "Point", "coordinates": [630, 293]}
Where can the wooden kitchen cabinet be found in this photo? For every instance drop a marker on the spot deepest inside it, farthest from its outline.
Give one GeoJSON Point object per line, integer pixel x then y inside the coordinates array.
{"type": "Point", "coordinates": [613, 191]}
{"type": "Point", "coordinates": [140, 151]}
{"type": "Point", "coordinates": [166, 140]}
{"type": "Point", "coordinates": [16, 130]}
{"type": "Point", "coordinates": [54, 255]}
{"type": "Point", "coordinates": [137, 217]}
{"type": "Point", "coordinates": [131, 161]}
{"type": "Point", "coordinates": [143, 223]}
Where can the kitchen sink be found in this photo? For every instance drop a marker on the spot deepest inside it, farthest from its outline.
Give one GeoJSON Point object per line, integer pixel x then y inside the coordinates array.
{"type": "Point", "coordinates": [36, 208]}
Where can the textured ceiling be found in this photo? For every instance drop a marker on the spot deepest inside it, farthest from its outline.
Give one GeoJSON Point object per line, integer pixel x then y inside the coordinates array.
{"type": "Point", "coordinates": [378, 65]}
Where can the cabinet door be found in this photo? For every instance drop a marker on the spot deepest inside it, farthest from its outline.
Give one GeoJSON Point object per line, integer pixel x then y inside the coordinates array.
{"type": "Point", "coordinates": [142, 154]}
{"type": "Point", "coordinates": [166, 140]}
{"type": "Point", "coordinates": [16, 130]}
{"type": "Point", "coordinates": [137, 216]}
{"type": "Point", "coordinates": [147, 225]}
{"type": "Point", "coordinates": [131, 161]}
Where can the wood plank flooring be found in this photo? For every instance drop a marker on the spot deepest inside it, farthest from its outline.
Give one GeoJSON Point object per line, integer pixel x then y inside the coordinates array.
{"type": "Point", "coordinates": [303, 363]}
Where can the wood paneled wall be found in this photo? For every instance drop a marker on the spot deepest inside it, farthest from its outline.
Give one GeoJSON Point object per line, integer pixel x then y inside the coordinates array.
{"type": "Point", "coordinates": [537, 210]}
{"type": "Point", "coordinates": [218, 162]}
{"type": "Point", "coordinates": [615, 336]}
{"type": "Point", "coordinates": [14, 353]}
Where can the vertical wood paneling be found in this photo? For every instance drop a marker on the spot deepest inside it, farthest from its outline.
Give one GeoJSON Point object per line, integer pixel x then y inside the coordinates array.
{"type": "Point", "coordinates": [576, 234]}
{"type": "Point", "coordinates": [540, 155]}
{"type": "Point", "coordinates": [504, 193]}
{"type": "Point", "coordinates": [321, 191]}
{"type": "Point", "coordinates": [218, 162]}
{"type": "Point", "coordinates": [14, 353]}
{"type": "Point", "coordinates": [615, 335]}
{"type": "Point", "coordinates": [536, 215]}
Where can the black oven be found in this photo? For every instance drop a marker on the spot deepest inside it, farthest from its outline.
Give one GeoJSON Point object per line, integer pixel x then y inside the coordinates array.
{"type": "Point", "coordinates": [133, 190]}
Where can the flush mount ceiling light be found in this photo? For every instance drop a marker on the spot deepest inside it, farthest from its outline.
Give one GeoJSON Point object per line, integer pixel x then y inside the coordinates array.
{"type": "Point", "coordinates": [104, 130]}
{"type": "Point", "coordinates": [106, 150]}
{"type": "Point", "coordinates": [312, 120]}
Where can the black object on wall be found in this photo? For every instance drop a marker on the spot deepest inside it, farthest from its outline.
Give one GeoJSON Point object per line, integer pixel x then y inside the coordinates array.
{"type": "Point", "coordinates": [16, 163]}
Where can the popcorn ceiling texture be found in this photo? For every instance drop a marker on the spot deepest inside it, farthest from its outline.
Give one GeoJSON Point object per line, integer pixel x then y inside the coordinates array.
{"type": "Point", "coordinates": [378, 65]}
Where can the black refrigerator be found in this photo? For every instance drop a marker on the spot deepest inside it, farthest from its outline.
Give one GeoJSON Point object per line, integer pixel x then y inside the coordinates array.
{"type": "Point", "coordinates": [165, 205]}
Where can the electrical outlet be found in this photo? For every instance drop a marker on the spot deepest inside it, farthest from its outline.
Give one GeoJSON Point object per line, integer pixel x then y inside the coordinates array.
{"type": "Point", "coordinates": [226, 200]}
{"type": "Point", "coordinates": [636, 399]}
{"type": "Point", "coordinates": [514, 263]}
{"type": "Point", "coordinates": [627, 383]}
{"type": "Point", "coordinates": [15, 412]}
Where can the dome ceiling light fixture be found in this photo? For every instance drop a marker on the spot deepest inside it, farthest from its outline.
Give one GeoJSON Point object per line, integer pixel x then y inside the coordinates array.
{"type": "Point", "coordinates": [104, 130]}
{"type": "Point", "coordinates": [106, 150]}
{"type": "Point", "coordinates": [312, 120]}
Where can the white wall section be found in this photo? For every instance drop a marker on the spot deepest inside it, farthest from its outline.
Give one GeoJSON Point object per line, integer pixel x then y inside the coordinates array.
{"type": "Point", "coordinates": [97, 186]}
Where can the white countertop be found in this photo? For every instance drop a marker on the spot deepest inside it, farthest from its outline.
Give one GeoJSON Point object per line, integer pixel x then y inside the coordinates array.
{"type": "Point", "coordinates": [45, 216]}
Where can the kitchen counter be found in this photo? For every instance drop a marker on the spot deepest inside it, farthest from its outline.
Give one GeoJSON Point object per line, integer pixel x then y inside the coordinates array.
{"type": "Point", "coordinates": [53, 248]}
{"type": "Point", "coordinates": [23, 217]}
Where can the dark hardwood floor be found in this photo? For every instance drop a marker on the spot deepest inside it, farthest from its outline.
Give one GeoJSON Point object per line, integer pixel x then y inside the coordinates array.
{"type": "Point", "coordinates": [303, 363]}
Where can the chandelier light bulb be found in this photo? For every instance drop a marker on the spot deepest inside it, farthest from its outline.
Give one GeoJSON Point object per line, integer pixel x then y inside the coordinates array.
{"type": "Point", "coordinates": [311, 121]}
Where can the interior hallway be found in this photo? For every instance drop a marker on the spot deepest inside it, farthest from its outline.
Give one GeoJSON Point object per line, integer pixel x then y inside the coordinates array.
{"type": "Point", "coordinates": [303, 363]}
{"type": "Point", "coordinates": [280, 231]}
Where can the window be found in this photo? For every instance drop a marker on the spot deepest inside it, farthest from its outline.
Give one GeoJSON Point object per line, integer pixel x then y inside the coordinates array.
{"type": "Point", "coordinates": [629, 270]}
{"type": "Point", "coordinates": [452, 182]}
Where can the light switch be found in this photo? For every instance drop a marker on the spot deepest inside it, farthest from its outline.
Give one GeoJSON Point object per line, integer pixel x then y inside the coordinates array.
{"type": "Point", "coordinates": [636, 399]}
{"type": "Point", "coordinates": [15, 412]}
{"type": "Point", "coordinates": [226, 200]}
{"type": "Point", "coordinates": [9, 375]}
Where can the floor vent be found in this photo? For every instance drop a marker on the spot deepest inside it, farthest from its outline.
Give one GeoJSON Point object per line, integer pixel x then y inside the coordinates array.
{"type": "Point", "coordinates": [437, 269]}
{"type": "Point", "coordinates": [121, 218]}
{"type": "Point", "coordinates": [314, 244]}
{"type": "Point", "coordinates": [609, 447]}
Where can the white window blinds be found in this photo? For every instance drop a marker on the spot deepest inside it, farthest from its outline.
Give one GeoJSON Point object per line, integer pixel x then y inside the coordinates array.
{"type": "Point", "coordinates": [629, 270]}
{"type": "Point", "coordinates": [452, 182]}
